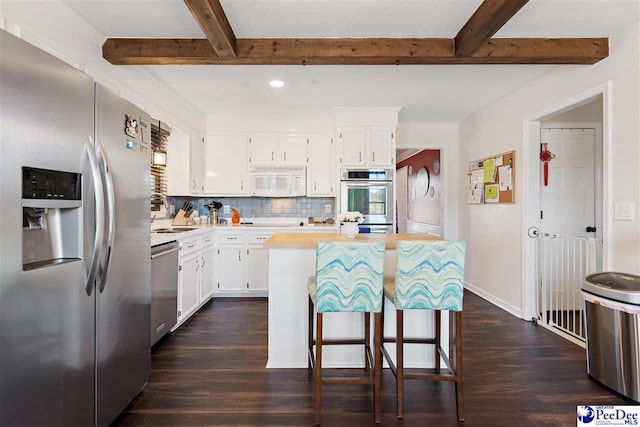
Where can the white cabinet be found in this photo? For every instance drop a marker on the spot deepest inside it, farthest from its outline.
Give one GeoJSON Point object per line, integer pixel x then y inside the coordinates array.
{"type": "Point", "coordinates": [178, 170]}
{"type": "Point", "coordinates": [197, 164]}
{"type": "Point", "coordinates": [195, 276]}
{"type": "Point", "coordinates": [277, 150]}
{"type": "Point", "coordinates": [257, 262]}
{"type": "Point", "coordinates": [243, 264]}
{"type": "Point", "coordinates": [322, 173]}
{"type": "Point", "coordinates": [207, 256]}
{"type": "Point", "coordinates": [184, 164]}
{"type": "Point", "coordinates": [368, 147]}
{"type": "Point", "coordinates": [188, 278]}
{"type": "Point", "coordinates": [232, 261]}
{"type": "Point", "coordinates": [225, 165]}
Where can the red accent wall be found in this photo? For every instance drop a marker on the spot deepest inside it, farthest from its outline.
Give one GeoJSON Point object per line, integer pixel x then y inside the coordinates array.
{"type": "Point", "coordinates": [423, 207]}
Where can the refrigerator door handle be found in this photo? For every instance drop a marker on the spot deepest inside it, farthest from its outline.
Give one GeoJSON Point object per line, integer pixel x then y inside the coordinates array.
{"type": "Point", "coordinates": [99, 200]}
{"type": "Point", "coordinates": [109, 212]}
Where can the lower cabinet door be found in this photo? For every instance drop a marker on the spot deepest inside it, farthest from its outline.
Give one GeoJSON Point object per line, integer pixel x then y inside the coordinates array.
{"type": "Point", "coordinates": [258, 269]}
{"type": "Point", "coordinates": [206, 273]}
{"type": "Point", "coordinates": [189, 282]}
{"type": "Point", "coordinates": [231, 274]}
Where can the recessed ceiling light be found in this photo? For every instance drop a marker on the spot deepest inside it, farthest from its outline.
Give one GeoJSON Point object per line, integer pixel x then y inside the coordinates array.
{"type": "Point", "coordinates": [276, 83]}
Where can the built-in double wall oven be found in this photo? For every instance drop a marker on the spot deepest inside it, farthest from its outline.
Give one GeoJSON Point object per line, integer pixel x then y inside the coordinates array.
{"type": "Point", "coordinates": [370, 192]}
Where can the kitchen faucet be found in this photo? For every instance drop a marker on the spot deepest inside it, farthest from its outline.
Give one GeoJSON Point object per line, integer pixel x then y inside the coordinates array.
{"type": "Point", "coordinates": [164, 202]}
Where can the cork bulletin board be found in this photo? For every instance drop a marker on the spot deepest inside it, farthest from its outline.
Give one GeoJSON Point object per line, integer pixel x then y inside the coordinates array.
{"type": "Point", "coordinates": [492, 179]}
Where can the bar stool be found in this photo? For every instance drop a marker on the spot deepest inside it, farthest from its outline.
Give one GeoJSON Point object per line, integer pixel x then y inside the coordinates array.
{"type": "Point", "coordinates": [429, 276]}
{"type": "Point", "coordinates": [349, 278]}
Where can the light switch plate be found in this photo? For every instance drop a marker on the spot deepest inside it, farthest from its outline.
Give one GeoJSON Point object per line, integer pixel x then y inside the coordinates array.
{"type": "Point", "coordinates": [624, 211]}
{"type": "Point", "coordinates": [226, 208]}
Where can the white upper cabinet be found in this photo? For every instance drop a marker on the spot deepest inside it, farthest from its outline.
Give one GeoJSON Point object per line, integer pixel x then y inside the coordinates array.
{"type": "Point", "coordinates": [367, 146]}
{"type": "Point", "coordinates": [178, 164]}
{"type": "Point", "coordinates": [225, 165]}
{"type": "Point", "coordinates": [322, 173]}
{"type": "Point", "coordinates": [196, 184]}
{"type": "Point", "coordinates": [277, 150]}
{"type": "Point", "coordinates": [381, 147]}
{"type": "Point", "coordinates": [184, 172]}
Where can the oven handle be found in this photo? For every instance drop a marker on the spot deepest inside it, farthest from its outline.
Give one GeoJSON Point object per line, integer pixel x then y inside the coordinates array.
{"type": "Point", "coordinates": [369, 184]}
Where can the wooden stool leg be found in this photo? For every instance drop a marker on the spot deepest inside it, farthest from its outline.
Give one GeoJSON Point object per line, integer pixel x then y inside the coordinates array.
{"type": "Point", "coordinates": [367, 341]}
{"type": "Point", "coordinates": [377, 371]}
{"type": "Point", "coordinates": [458, 366]}
{"type": "Point", "coordinates": [399, 363]}
{"type": "Point", "coordinates": [318, 368]}
{"type": "Point", "coordinates": [437, 326]}
{"type": "Point", "coordinates": [310, 338]}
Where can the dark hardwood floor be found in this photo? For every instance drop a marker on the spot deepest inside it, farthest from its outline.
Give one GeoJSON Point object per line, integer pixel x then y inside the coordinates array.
{"type": "Point", "coordinates": [212, 372]}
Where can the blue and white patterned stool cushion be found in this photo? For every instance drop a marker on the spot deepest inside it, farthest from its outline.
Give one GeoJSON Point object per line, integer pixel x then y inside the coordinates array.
{"type": "Point", "coordinates": [349, 277]}
{"type": "Point", "coordinates": [429, 275]}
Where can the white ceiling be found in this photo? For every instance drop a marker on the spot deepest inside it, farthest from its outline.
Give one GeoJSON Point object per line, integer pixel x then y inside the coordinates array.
{"type": "Point", "coordinates": [426, 93]}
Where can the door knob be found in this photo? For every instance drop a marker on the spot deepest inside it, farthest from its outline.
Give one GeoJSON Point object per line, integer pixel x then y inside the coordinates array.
{"type": "Point", "coordinates": [591, 229]}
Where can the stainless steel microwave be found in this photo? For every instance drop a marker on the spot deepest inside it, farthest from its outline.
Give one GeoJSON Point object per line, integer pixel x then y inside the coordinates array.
{"type": "Point", "coordinates": [278, 181]}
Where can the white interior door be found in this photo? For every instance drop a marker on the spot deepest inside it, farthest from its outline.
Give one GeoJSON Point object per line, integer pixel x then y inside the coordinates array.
{"type": "Point", "coordinates": [568, 201]}
{"type": "Point", "coordinates": [567, 244]}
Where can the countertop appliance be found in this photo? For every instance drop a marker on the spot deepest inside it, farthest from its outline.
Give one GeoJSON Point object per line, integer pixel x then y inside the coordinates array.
{"type": "Point", "coordinates": [75, 288]}
{"type": "Point", "coordinates": [164, 289]}
{"type": "Point", "coordinates": [278, 181]}
{"type": "Point", "coordinates": [370, 192]}
{"type": "Point", "coordinates": [612, 326]}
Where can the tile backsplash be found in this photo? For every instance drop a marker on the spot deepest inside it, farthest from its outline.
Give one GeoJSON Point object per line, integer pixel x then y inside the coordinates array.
{"type": "Point", "coordinates": [264, 207]}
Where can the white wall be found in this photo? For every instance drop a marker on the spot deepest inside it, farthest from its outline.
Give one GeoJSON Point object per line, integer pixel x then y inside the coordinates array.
{"type": "Point", "coordinates": [495, 233]}
{"type": "Point", "coordinates": [268, 124]}
{"type": "Point", "coordinates": [54, 28]}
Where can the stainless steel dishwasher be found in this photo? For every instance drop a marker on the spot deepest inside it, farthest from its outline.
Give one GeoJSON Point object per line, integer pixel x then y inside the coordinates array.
{"type": "Point", "coordinates": [164, 289]}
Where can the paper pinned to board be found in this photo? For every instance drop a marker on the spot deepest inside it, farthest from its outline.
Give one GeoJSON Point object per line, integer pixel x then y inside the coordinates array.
{"type": "Point", "coordinates": [505, 178]}
{"type": "Point", "coordinates": [476, 187]}
{"type": "Point", "coordinates": [489, 167]}
{"type": "Point", "coordinates": [491, 193]}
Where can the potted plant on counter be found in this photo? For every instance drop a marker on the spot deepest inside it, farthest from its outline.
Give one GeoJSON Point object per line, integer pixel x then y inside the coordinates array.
{"type": "Point", "coordinates": [350, 223]}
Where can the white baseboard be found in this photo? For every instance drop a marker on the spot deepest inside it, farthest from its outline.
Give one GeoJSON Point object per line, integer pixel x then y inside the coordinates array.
{"type": "Point", "coordinates": [509, 308]}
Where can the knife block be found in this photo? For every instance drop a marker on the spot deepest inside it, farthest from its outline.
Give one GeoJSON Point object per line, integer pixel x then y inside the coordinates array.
{"type": "Point", "coordinates": [180, 219]}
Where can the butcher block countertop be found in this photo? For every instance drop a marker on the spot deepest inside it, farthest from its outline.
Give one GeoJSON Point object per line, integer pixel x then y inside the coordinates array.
{"type": "Point", "coordinates": [310, 240]}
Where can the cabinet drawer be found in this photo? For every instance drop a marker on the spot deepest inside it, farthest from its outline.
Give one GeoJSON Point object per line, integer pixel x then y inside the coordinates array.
{"type": "Point", "coordinates": [206, 240]}
{"type": "Point", "coordinates": [232, 238]}
{"type": "Point", "coordinates": [189, 245]}
{"type": "Point", "coordinates": [258, 238]}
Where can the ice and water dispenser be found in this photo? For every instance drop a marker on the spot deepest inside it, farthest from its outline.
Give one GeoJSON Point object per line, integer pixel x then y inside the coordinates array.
{"type": "Point", "coordinates": [51, 217]}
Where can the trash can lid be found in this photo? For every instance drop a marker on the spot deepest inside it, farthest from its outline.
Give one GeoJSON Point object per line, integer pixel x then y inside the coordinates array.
{"type": "Point", "coordinates": [618, 286]}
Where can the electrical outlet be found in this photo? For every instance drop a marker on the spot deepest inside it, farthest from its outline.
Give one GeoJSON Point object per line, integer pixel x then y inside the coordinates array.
{"type": "Point", "coordinates": [624, 211]}
{"type": "Point", "coordinates": [327, 209]}
{"type": "Point", "coordinates": [172, 209]}
{"type": "Point", "coordinates": [226, 208]}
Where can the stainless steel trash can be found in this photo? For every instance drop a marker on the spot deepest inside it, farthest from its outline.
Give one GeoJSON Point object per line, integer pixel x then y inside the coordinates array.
{"type": "Point", "coordinates": [612, 325]}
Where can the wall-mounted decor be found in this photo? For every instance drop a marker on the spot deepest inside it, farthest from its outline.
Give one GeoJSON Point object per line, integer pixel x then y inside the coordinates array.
{"type": "Point", "coordinates": [491, 180]}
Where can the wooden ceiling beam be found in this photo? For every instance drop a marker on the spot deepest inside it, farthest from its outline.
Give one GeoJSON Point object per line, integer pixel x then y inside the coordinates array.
{"type": "Point", "coordinates": [379, 51]}
{"type": "Point", "coordinates": [490, 16]}
{"type": "Point", "coordinates": [214, 24]}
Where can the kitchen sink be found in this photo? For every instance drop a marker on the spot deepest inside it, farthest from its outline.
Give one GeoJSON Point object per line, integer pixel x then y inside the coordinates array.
{"type": "Point", "coordinates": [173, 230]}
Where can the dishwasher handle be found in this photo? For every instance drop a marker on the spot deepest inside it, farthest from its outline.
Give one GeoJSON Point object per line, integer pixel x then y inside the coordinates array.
{"type": "Point", "coordinates": [159, 254]}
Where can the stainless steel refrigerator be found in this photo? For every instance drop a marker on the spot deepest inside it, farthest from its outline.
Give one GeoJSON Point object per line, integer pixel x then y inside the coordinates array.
{"type": "Point", "coordinates": [74, 244]}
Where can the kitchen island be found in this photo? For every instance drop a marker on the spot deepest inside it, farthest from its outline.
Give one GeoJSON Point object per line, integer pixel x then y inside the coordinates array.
{"type": "Point", "coordinates": [292, 258]}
